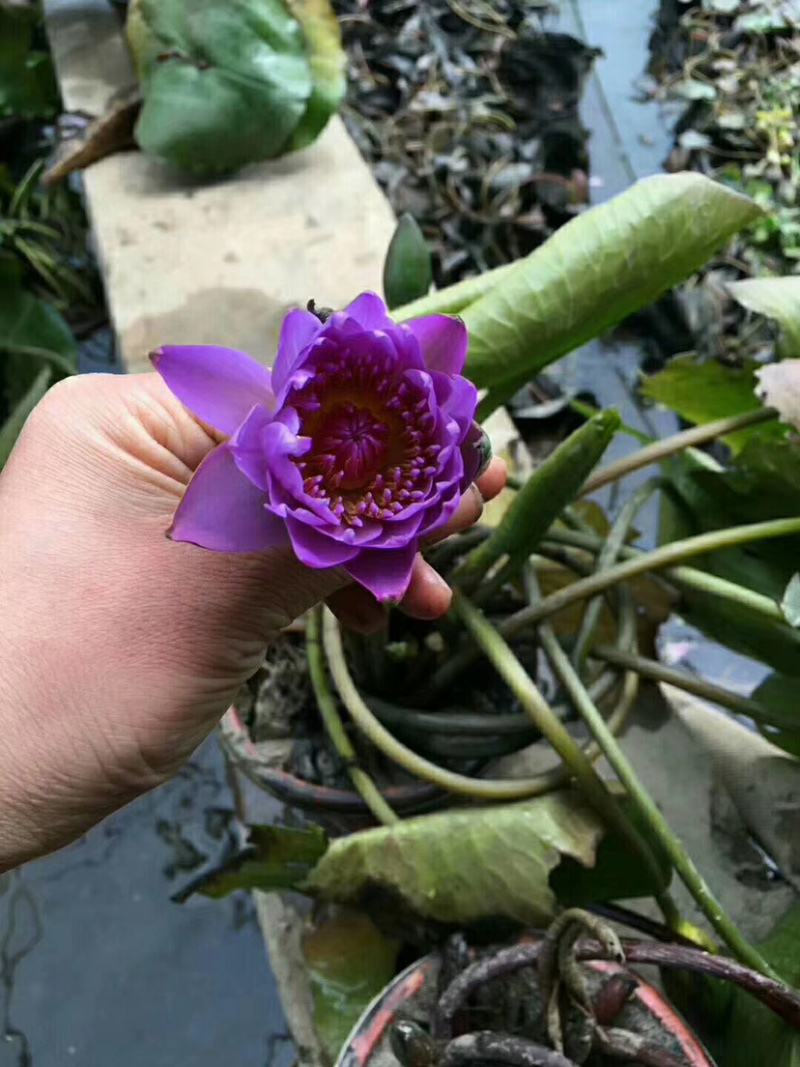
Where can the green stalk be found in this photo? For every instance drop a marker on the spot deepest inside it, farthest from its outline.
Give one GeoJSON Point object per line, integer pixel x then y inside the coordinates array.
{"type": "Point", "coordinates": [476, 788]}
{"type": "Point", "coordinates": [536, 506]}
{"type": "Point", "coordinates": [606, 558]}
{"type": "Point", "coordinates": [647, 807]}
{"type": "Point", "coordinates": [526, 692]}
{"type": "Point", "coordinates": [641, 563]}
{"type": "Point", "coordinates": [326, 703]}
{"type": "Point", "coordinates": [683, 577]}
{"type": "Point", "coordinates": [699, 687]}
{"type": "Point", "coordinates": [654, 453]}
{"type": "Point", "coordinates": [456, 297]}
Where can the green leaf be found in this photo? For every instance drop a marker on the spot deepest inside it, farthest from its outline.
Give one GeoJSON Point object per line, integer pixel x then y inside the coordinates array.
{"type": "Point", "coordinates": [777, 298]}
{"type": "Point", "coordinates": [460, 866]}
{"type": "Point", "coordinates": [327, 61]}
{"type": "Point", "coordinates": [780, 693]}
{"type": "Point", "coordinates": [11, 428]}
{"type": "Point", "coordinates": [598, 269]}
{"type": "Point", "coordinates": [274, 857]}
{"type": "Point", "coordinates": [225, 82]}
{"type": "Point", "coordinates": [32, 332]}
{"type": "Point", "coordinates": [27, 80]}
{"type": "Point", "coordinates": [790, 604]}
{"type": "Point", "coordinates": [407, 271]}
{"type": "Point", "coordinates": [542, 498]}
{"type": "Point", "coordinates": [738, 1030]}
{"type": "Point", "coordinates": [703, 392]}
{"type": "Point", "coordinates": [349, 962]}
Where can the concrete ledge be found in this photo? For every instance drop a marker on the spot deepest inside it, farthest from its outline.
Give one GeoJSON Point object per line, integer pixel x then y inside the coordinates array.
{"type": "Point", "coordinates": [214, 262]}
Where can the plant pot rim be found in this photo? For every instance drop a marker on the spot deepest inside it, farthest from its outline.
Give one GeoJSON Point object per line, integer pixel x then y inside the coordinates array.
{"type": "Point", "coordinates": [385, 1008]}
{"type": "Point", "coordinates": [310, 796]}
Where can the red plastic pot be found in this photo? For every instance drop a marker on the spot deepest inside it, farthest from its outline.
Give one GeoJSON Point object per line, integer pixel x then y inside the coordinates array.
{"type": "Point", "coordinates": [369, 1040]}
{"type": "Point", "coordinates": [342, 807]}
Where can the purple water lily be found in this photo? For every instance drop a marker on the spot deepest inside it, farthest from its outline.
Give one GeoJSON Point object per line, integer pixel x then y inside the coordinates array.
{"type": "Point", "coordinates": [357, 444]}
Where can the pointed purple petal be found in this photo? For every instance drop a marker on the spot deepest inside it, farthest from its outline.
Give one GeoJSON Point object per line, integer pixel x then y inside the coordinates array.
{"type": "Point", "coordinates": [219, 385]}
{"type": "Point", "coordinates": [298, 331]}
{"type": "Point", "coordinates": [370, 312]}
{"type": "Point", "coordinates": [222, 509]}
{"type": "Point", "coordinates": [443, 340]}
{"type": "Point", "coordinates": [386, 572]}
{"type": "Point", "coordinates": [316, 549]}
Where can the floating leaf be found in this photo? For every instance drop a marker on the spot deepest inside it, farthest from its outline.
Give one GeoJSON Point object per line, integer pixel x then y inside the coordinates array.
{"type": "Point", "coordinates": [777, 298]}
{"type": "Point", "coordinates": [599, 268]}
{"type": "Point", "coordinates": [326, 58]}
{"type": "Point", "coordinates": [349, 962]}
{"type": "Point", "coordinates": [407, 271]}
{"type": "Point", "coordinates": [274, 857]}
{"type": "Point", "coordinates": [703, 392]}
{"type": "Point", "coordinates": [224, 84]}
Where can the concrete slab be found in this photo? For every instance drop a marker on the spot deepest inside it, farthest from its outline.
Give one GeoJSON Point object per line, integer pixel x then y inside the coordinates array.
{"type": "Point", "coordinates": [214, 262]}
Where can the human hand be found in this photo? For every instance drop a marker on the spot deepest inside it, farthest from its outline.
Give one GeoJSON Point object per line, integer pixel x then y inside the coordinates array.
{"type": "Point", "coordinates": [120, 650]}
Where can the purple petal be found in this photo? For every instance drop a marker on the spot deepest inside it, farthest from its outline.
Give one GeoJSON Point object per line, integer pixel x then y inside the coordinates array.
{"type": "Point", "coordinates": [370, 312]}
{"type": "Point", "coordinates": [316, 549]}
{"type": "Point", "coordinates": [443, 340]}
{"type": "Point", "coordinates": [298, 331]}
{"type": "Point", "coordinates": [386, 572]}
{"type": "Point", "coordinates": [247, 446]}
{"type": "Point", "coordinates": [223, 510]}
{"type": "Point", "coordinates": [219, 385]}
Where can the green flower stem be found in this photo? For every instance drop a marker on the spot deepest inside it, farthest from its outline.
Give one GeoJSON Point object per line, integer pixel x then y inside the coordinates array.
{"type": "Point", "coordinates": [455, 297]}
{"type": "Point", "coordinates": [326, 703]}
{"type": "Point", "coordinates": [697, 435]}
{"type": "Point", "coordinates": [658, 450]}
{"type": "Point", "coordinates": [683, 577]}
{"type": "Point", "coordinates": [683, 863]}
{"type": "Point", "coordinates": [658, 672]}
{"type": "Point", "coordinates": [524, 689]}
{"type": "Point", "coordinates": [607, 557]}
{"type": "Point", "coordinates": [476, 788]}
{"type": "Point", "coordinates": [642, 563]}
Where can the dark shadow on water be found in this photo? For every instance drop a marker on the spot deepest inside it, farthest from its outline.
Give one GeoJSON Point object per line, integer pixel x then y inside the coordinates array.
{"type": "Point", "coordinates": [99, 967]}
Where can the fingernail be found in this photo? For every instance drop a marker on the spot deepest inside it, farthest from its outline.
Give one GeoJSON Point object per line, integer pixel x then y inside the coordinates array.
{"type": "Point", "coordinates": [484, 447]}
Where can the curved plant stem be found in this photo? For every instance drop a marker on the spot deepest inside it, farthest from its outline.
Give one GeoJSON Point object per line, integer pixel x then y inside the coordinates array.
{"type": "Point", "coordinates": [326, 703]}
{"type": "Point", "coordinates": [606, 557]}
{"type": "Point", "coordinates": [680, 576]}
{"type": "Point", "coordinates": [648, 809]}
{"type": "Point", "coordinates": [477, 788]}
{"type": "Point", "coordinates": [775, 994]}
{"type": "Point", "coordinates": [697, 435]}
{"type": "Point", "coordinates": [579, 766]}
{"type": "Point", "coordinates": [658, 672]}
{"type": "Point", "coordinates": [641, 563]}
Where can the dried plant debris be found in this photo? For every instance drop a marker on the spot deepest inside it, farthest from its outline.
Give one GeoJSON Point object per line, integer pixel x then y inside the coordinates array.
{"type": "Point", "coordinates": [468, 113]}
{"type": "Point", "coordinates": [733, 68]}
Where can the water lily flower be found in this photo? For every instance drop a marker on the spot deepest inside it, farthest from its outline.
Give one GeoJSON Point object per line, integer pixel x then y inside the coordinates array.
{"type": "Point", "coordinates": [358, 443]}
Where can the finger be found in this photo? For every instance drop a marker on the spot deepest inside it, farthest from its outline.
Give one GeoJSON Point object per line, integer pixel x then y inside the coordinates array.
{"type": "Point", "coordinates": [493, 479]}
{"type": "Point", "coordinates": [469, 510]}
{"type": "Point", "coordinates": [428, 595]}
{"type": "Point", "coordinates": [357, 609]}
